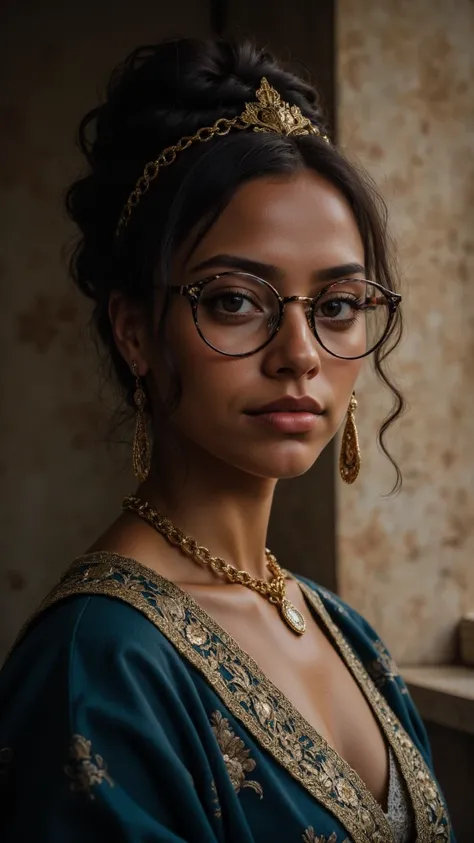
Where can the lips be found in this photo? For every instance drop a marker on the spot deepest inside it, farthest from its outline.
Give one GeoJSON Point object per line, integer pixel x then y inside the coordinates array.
{"type": "Point", "coordinates": [290, 404]}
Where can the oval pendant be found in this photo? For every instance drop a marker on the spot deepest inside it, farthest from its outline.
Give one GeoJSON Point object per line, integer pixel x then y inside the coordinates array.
{"type": "Point", "coordinates": [292, 617]}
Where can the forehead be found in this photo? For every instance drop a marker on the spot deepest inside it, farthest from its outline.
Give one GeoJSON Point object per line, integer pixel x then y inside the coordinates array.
{"type": "Point", "coordinates": [296, 222]}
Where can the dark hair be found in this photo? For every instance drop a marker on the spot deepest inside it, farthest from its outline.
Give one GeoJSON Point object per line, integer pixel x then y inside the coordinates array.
{"type": "Point", "coordinates": [156, 96]}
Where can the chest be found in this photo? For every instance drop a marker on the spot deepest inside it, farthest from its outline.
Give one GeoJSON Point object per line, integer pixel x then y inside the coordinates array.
{"type": "Point", "coordinates": [310, 673]}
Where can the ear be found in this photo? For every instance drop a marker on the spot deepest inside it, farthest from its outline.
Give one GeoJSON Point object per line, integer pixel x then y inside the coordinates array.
{"type": "Point", "coordinates": [130, 331]}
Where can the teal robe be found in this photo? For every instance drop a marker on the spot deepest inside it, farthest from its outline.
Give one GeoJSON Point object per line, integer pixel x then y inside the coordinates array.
{"type": "Point", "coordinates": [128, 715]}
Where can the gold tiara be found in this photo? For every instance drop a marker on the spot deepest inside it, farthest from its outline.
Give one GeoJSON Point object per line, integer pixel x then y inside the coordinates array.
{"type": "Point", "coordinates": [268, 114]}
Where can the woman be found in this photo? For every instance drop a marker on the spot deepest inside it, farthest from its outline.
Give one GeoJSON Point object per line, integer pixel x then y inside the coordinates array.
{"type": "Point", "coordinates": [178, 685]}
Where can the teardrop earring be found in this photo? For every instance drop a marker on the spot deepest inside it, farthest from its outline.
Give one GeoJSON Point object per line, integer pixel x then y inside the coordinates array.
{"type": "Point", "coordinates": [349, 458]}
{"type": "Point", "coordinates": [141, 452]}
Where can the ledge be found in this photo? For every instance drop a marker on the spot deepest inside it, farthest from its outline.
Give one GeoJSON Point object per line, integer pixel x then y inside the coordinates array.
{"type": "Point", "coordinates": [443, 695]}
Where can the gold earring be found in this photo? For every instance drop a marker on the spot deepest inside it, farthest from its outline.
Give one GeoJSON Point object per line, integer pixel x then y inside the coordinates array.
{"type": "Point", "coordinates": [141, 453]}
{"type": "Point", "coordinates": [349, 458]}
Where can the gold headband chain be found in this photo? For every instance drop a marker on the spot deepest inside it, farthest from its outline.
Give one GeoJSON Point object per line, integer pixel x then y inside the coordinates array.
{"type": "Point", "coordinates": [268, 114]}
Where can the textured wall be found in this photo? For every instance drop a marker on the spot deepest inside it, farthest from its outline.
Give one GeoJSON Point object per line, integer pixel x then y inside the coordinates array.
{"type": "Point", "coordinates": [406, 77]}
{"type": "Point", "coordinates": [60, 484]}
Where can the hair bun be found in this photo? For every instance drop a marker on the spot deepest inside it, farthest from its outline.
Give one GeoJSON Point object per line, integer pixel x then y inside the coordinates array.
{"type": "Point", "coordinates": [188, 75]}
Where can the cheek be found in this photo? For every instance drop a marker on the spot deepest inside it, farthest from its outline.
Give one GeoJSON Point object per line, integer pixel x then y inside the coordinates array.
{"type": "Point", "coordinates": [209, 380]}
{"type": "Point", "coordinates": [341, 376]}
{"type": "Point", "coordinates": [182, 345]}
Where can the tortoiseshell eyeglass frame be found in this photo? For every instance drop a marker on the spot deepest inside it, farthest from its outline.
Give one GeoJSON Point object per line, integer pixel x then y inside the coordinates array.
{"type": "Point", "coordinates": [194, 291]}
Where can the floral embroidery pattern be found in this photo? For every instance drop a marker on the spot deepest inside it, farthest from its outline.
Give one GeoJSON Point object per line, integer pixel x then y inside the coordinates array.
{"type": "Point", "coordinates": [384, 669]}
{"type": "Point", "coordinates": [310, 836]}
{"type": "Point", "coordinates": [86, 770]}
{"type": "Point", "coordinates": [269, 717]}
{"type": "Point", "coordinates": [235, 754]}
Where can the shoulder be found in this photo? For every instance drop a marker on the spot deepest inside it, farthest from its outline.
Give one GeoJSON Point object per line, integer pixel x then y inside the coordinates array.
{"type": "Point", "coordinates": [97, 696]}
{"type": "Point", "coordinates": [102, 604]}
{"type": "Point", "coordinates": [78, 620]}
{"type": "Point", "coordinates": [85, 642]}
{"type": "Point", "coordinates": [87, 663]}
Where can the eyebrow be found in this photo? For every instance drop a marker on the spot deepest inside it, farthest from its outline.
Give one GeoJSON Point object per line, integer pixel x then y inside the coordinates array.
{"type": "Point", "coordinates": [272, 273]}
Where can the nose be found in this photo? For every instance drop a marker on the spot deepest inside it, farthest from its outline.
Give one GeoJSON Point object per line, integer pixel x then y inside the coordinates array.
{"type": "Point", "coordinates": [294, 351]}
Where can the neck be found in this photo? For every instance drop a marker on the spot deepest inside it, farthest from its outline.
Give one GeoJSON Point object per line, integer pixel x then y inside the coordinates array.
{"type": "Point", "coordinates": [220, 507]}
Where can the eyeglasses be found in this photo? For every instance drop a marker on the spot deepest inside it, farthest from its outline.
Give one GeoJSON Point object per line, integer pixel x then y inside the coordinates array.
{"type": "Point", "coordinates": [238, 314]}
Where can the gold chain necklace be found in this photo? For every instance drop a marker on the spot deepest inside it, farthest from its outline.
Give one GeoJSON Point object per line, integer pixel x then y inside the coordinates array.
{"type": "Point", "coordinates": [274, 591]}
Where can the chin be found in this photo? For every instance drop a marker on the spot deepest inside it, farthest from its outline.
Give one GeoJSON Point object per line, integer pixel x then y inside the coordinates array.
{"type": "Point", "coordinates": [287, 460]}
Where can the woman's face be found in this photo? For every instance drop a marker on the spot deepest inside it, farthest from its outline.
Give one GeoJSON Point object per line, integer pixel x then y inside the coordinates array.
{"type": "Point", "coordinates": [302, 227]}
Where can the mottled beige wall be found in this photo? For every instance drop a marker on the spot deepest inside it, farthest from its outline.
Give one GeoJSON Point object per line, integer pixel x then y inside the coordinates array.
{"type": "Point", "coordinates": [406, 82]}
{"type": "Point", "coordinates": [59, 482]}
{"type": "Point", "coordinates": [405, 92]}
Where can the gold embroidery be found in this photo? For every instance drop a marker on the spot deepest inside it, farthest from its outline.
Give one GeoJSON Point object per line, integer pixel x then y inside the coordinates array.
{"type": "Point", "coordinates": [85, 771]}
{"type": "Point", "coordinates": [310, 836]}
{"type": "Point", "coordinates": [196, 634]}
{"type": "Point", "coordinates": [217, 811]}
{"type": "Point", "coordinates": [432, 823]}
{"type": "Point", "coordinates": [383, 669]}
{"type": "Point", "coordinates": [215, 800]}
{"type": "Point", "coordinates": [266, 713]}
{"type": "Point", "coordinates": [235, 754]}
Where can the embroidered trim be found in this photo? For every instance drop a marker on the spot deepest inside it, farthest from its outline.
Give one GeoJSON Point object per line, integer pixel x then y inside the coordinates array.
{"type": "Point", "coordinates": [86, 770]}
{"type": "Point", "coordinates": [259, 705]}
{"type": "Point", "coordinates": [432, 823]}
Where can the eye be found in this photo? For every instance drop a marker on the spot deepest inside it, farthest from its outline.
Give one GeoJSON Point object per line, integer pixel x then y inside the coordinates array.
{"type": "Point", "coordinates": [232, 301]}
{"type": "Point", "coordinates": [339, 307]}
{"type": "Point", "coordinates": [234, 298]}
